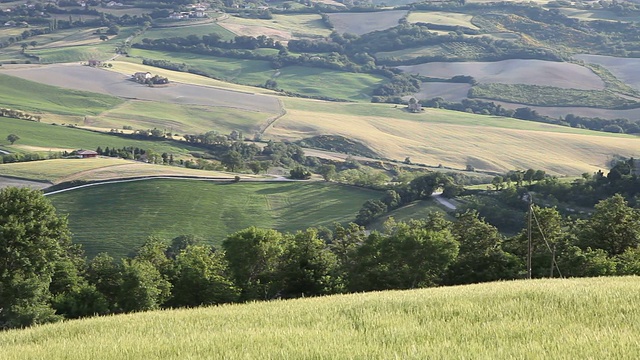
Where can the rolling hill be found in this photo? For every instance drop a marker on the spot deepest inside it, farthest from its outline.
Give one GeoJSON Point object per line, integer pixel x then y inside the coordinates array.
{"type": "Point", "coordinates": [117, 218]}
{"type": "Point", "coordinates": [539, 319]}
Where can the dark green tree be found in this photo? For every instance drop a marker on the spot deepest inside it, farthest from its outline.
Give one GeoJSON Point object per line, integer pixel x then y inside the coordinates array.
{"type": "Point", "coordinates": [254, 257]}
{"type": "Point", "coordinates": [12, 138]}
{"type": "Point", "coordinates": [33, 241]}
{"type": "Point", "coordinates": [308, 267]}
{"type": "Point", "coordinates": [143, 287]}
{"type": "Point", "coordinates": [201, 278]}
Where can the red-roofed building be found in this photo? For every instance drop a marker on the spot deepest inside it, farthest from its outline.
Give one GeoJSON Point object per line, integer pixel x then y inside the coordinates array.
{"type": "Point", "coordinates": [86, 154]}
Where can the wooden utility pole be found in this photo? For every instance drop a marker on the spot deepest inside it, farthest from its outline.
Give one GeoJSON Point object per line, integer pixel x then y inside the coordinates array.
{"type": "Point", "coordinates": [529, 230]}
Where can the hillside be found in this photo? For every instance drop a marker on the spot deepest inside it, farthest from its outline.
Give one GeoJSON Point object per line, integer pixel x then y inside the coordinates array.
{"type": "Point", "coordinates": [540, 319]}
{"type": "Point", "coordinates": [117, 218]}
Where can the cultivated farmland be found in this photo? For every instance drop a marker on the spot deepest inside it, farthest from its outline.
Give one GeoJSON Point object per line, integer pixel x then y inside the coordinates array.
{"type": "Point", "coordinates": [531, 72]}
{"type": "Point", "coordinates": [57, 171]}
{"type": "Point", "coordinates": [169, 208]}
{"type": "Point", "coordinates": [447, 91]}
{"type": "Point", "coordinates": [442, 18]}
{"type": "Point", "coordinates": [86, 78]}
{"type": "Point", "coordinates": [536, 319]}
{"type": "Point", "coordinates": [366, 22]}
{"type": "Point", "coordinates": [456, 139]}
{"type": "Point", "coordinates": [279, 28]}
{"type": "Point", "coordinates": [625, 69]}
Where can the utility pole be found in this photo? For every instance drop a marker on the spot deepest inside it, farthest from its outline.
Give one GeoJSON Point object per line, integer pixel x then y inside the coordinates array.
{"type": "Point", "coordinates": [529, 230]}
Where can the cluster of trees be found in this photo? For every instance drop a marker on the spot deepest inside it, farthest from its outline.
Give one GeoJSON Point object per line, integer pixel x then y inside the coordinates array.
{"type": "Point", "coordinates": [214, 41]}
{"type": "Point", "coordinates": [23, 157]}
{"type": "Point", "coordinates": [56, 281]}
{"type": "Point", "coordinates": [419, 188]}
{"type": "Point", "coordinates": [17, 114]}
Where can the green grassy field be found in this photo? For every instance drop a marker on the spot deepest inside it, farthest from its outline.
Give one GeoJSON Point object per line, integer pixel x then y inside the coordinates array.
{"type": "Point", "coordinates": [117, 218]}
{"type": "Point", "coordinates": [453, 50]}
{"type": "Point", "coordinates": [42, 137]}
{"type": "Point", "coordinates": [593, 318]}
{"type": "Point", "coordinates": [416, 210]}
{"type": "Point", "coordinates": [297, 79]}
{"type": "Point", "coordinates": [29, 96]}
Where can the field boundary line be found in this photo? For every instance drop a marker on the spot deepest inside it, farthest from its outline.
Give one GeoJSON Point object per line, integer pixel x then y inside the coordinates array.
{"type": "Point", "coordinates": [270, 122]}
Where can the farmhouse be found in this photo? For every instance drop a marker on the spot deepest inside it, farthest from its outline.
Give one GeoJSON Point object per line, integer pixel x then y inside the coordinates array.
{"type": "Point", "coordinates": [141, 76]}
{"type": "Point", "coordinates": [84, 154]}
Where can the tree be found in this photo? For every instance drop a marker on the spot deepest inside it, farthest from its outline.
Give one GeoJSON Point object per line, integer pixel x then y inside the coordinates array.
{"type": "Point", "coordinates": [254, 257]}
{"type": "Point", "coordinates": [613, 227]}
{"type": "Point", "coordinates": [33, 240]}
{"type": "Point", "coordinates": [299, 173]}
{"type": "Point", "coordinates": [406, 256]}
{"type": "Point", "coordinates": [202, 278]}
{"type": "Point", "coordinates": [33, 43]}
{"type": "Point", "coordinates": [104, 37]}
{"type": "Point", "coordinates": [24, 47]}
{"type": "Point", "coordinates": [12, 138]}
{"type": "Point", "coordinates": [232, 160]}
{"type": "Point", "coordinates": [308, 267]}
{"type": "Point", "coordinates": [328, 171]}
{"type": "Point", "coordinates": [143, 287]}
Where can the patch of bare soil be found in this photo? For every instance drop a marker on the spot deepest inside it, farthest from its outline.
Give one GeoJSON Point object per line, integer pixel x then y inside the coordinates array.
{"type": "Point", "coordinates": [625, 69]}
{"type": "Point", "coordinates": [362, 23]}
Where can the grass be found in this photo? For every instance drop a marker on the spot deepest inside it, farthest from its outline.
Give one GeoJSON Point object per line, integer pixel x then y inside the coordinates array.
{"type": "Point", "coordinates": [415, 210]}
{"type": "Point", "coordinates": [442, 18]}
{"type": "Point", "coordinates": [455, 139]}
{"type": "Point", "coordinates": [45, 136]}
{"type": "Point", "coordinates": [57, 171]}
{"type": "Point", "coordinates": [179, 118]}
{"type": "Point", "coordinates": [297, 79]}
{"type": "Point", "coordinates": [168, 208]}
{"type": "Point", "coordinates": [29, 96]}
{"type": "Point", "coordinates": [549, 96]}
{"type": "Point", "coordinates": [539, 319]}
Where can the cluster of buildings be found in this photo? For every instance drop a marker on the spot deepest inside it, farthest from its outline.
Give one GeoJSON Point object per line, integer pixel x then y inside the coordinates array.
{"type": "Point", "coordinates": [195, 11]}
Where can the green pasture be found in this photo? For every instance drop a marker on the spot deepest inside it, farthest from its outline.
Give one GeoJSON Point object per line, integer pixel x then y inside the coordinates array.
{"type": "Point", "coordinates": [588, 318]}
{"type": "Point", "coordinates": [179, 118]}
{"type": "Point", "coordinates": [117, 218]}
{"type": "Point", "coordinates": [414, 211]}
{"type": "Point", "coordinates": [45, 136]}
{"type": "Point", "coordinates": [29, 96]}
{"type": "Point", "coordinates": [184, 31]}
{"type": "Point", "coordinates": [54, 169]}
{"type": "Point", "coordinates": [297, 79]}
{"type": "Point", "coordinates": [549, 96]}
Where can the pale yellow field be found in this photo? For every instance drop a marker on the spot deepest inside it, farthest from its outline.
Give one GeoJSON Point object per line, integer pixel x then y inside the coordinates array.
{"type": "Point", "coordinates": [280, 28]}
{"type": "Point", "coordinates": [128, 68]}
{"type": "Point", "coordinates": [442, 18]}
{"type": "Point", "coordinates": [457, 139]}
{"type": "Point", "coordinates": [62, 170]}
{"type": "Point", "coordinates": [81, 37]}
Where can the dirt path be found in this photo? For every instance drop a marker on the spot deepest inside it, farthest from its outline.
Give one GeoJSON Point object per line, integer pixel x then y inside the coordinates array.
{"type": "Point", "coordinates": [443, 201]}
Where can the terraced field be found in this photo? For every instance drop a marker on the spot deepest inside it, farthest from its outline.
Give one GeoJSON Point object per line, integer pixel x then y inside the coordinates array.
{"type": "Point", "coordinates": [117, 218]}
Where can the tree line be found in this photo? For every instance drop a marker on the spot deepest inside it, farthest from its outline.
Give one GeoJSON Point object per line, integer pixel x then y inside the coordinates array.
{"type": "Point", "coordinates": [46, 278]}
